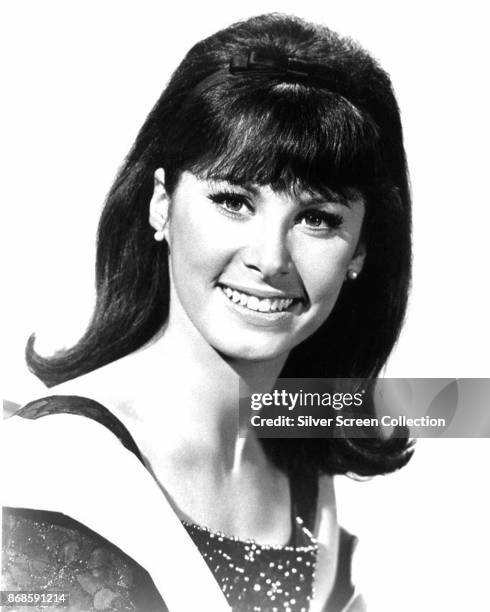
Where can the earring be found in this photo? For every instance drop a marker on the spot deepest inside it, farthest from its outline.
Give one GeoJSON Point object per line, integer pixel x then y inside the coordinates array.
{"type": "Point", "coordinates": [352, 275]}
{"type": "Point", "coordinates": [159, 235]}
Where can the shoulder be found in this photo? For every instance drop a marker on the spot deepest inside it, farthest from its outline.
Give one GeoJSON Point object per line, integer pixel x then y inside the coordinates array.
{"type": "Point", "coordinates": [111, 383]}
{"type": "Point", "coordinates": [66, 424]}
{"type": "Point", "coordinates": [42, 548]}
{"type": "Point", "coordinates": [55, 460]}
{"type": "Point", "coordinates": [116, 386]}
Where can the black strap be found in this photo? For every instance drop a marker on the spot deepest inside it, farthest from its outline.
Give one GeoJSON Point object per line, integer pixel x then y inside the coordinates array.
{"type": "Point", "coordinates": [82, 406]}
{"type": "Point", "coordinates": [343, 588]}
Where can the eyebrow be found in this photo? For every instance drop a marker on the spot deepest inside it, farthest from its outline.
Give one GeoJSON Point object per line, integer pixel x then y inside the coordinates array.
{"type": "Point", "coordinates": [250, 187]}
{"type": "Point", "coordinates": [318, 199]}
{"type": "Point", "coordinates": [304, 197]}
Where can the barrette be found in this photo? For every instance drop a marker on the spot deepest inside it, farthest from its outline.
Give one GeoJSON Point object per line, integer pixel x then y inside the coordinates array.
{"type": "Point", "coordinates": [259, 62]}
{"type": "Point", "coordinates": [256, 61]}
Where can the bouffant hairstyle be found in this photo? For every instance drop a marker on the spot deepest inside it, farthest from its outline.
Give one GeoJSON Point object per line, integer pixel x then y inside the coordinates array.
{"type": "Point", "coordinates": [316, 112]}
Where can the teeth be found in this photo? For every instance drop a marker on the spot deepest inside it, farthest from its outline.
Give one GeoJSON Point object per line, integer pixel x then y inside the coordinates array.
{"type": "Point", "coordinates": [254, 303]}
{"type": "Point", "coordinates": [265, 305]}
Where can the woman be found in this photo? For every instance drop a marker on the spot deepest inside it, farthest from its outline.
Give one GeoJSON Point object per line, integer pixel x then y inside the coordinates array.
{"type": "Point", "coordinates": [273, 176]}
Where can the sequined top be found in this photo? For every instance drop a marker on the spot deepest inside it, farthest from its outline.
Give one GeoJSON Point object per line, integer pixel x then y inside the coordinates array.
{"type": "Point", "coordinates": [49, 551]}
{"type": "Point", "coordinates": [255, 577]}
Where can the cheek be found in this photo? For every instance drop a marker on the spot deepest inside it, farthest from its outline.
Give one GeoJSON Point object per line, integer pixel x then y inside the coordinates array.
{"type": "Point", "coordinates": [323, 269]}
{"type": "Point", "coordinates": [197, 250]}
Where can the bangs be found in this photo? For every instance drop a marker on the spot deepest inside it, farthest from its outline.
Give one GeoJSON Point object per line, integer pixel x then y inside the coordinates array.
{"type": "Point", "coordinates": [286, 135]}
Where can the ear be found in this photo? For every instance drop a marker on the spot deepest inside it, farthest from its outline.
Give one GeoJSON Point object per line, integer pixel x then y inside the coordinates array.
{"type": "Point", "coordinates": [159, 206]}
{"type": "Point", "coordinates": [357, 262]}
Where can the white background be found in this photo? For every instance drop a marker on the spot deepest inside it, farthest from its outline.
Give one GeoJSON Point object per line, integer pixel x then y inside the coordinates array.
{"type": "Point", "coordinates": [80, 78]}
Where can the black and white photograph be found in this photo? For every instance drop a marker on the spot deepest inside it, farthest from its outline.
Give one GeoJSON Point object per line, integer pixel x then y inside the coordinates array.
{"type": "Point", "coordinates": [214, 213]}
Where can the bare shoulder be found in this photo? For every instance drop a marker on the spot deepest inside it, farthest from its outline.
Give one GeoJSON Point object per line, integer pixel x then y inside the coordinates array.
{"type": "Point", "coordinates": [113, 385]}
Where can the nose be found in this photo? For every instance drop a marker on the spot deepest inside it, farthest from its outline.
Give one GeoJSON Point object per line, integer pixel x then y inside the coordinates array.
{"type": "Point", "coordinates": [269, 254]}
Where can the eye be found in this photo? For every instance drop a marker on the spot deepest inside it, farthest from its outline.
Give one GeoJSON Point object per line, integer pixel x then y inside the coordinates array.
{"type": "Point", "coordinates": [319, 220]}
{"type": "Point", "coordinates": [234, 204]}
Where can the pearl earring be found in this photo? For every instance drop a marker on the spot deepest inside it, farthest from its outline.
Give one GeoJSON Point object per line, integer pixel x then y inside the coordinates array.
{"type": "Point", "coordinates": [352, 274]}
{"type": "Point", "coordinates": [159, 235]}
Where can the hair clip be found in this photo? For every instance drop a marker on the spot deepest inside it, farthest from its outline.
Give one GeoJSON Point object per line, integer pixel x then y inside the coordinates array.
{"type": "Point", "coordinates": [262, 63]}
{"type": "Point", "coordinates": [259, 62]}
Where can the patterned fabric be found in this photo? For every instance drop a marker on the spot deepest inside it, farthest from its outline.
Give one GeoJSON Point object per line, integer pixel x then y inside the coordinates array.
{"type": "Point", "coordinates": [45, 551]}
{"type": "Point", "coordinates": [260, 578]}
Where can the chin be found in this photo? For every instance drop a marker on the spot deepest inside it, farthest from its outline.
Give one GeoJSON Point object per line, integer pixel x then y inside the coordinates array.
{"type": "Point", "coordinates": [250, 352]}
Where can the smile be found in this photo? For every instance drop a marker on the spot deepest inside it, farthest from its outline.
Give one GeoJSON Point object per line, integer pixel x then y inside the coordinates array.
{"type": "Point", "coordinates": [252, 302]}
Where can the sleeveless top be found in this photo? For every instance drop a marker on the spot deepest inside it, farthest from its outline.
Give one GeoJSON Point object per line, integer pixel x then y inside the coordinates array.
{"type": "Point", "coordinates": [50, 551]}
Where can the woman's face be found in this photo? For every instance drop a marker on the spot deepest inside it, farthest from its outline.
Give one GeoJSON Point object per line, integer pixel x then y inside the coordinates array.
{"type": "Point", "coordinates": [257, 271]}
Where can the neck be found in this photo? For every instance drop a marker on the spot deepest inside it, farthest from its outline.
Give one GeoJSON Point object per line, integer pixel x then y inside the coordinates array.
{"type": "Point", "coordinates": [191, 395]}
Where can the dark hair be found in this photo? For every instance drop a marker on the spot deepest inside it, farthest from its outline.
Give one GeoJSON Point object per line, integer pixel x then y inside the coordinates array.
{"type": "Point", "coordinates": [336, 130]}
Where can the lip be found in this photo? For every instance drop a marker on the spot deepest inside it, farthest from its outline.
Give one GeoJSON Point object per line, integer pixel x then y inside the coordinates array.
{"type": "Point", "coordinates": [262, 293]}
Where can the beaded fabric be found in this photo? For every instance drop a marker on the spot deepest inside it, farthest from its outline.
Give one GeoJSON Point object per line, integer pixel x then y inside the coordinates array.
{"type": "Point", "coordinates": [257, 578]}
{"type": "Point", "coordinates": [48, 552]}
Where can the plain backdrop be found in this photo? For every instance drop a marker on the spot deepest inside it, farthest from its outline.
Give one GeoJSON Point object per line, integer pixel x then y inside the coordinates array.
{"type": "Point", "coordinates": [78, 81]}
